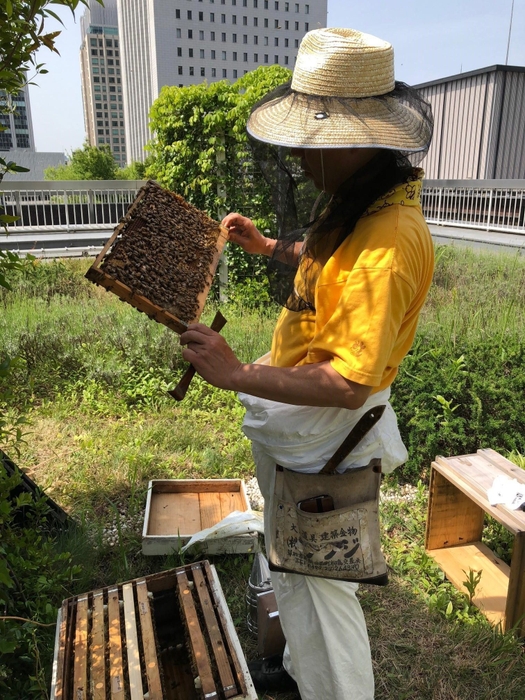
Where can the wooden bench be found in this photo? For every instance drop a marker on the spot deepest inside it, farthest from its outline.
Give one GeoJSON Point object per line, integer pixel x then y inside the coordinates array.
{"type": "Point", "coordinates": [456, 514]}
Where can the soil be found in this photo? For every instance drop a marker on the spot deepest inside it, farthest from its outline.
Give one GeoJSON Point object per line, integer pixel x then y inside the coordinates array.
{"type": "Point", "coordinates": [164, 251]}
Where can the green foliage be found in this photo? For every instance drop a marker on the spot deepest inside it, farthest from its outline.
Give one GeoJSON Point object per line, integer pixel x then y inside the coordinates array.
{"type": "Point", "coordinates": [133, 171]}
{"type": "Point", "coordinates": [200, 150]}
{"type": "Point", "coordinates": [86, 163]}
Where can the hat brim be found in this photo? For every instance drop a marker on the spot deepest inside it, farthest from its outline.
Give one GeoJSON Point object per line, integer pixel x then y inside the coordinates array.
{"type": "Point", "coordinates": [306, 121]}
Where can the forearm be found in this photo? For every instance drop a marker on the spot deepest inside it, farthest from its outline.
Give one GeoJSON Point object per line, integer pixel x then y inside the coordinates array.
{"type": "Point", "coordinates": [307, 385]}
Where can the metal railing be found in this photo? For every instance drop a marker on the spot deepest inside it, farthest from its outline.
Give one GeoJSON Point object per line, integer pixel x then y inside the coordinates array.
{"type": "Point", "coordinates": [491, 205]}
{"type": "Point", "coordinates": [67, 205]}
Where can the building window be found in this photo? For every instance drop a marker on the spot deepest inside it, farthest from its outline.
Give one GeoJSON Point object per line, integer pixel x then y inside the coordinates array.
{"type": "Point", "coordinates": [190, 33]}
{"type": "Point", "coordinates": [296, 43]}
{"type": "Point", "coordinates": [213, 72]}
{"type": "Point", "coordinates": [234, 2]}
{"type": "Point", "coordinates": [234, 38]}
{"type": "Point", "coordinates": [203, 72]}
{"type": "Point", "coordinates": [177, 14]}
{"type": "Point", "coordinates": [235, 73]}
{"type": "Point", "coordinates": [94, 52]}
{"type": "Point", "coordinates": [256, 58]}
{"type": "Point", "coordinates": [266, 58]}
{"type": "Point", "coordinates": [255, 22]}
{"type": "Point", "coordinates": [201, 34]}
{"type": "Point", "coordinates": [223, 36]}
{"type": "Point", "coordinates": [179, 51]}
{"type": "Point", "coordinates": [245, 38]}
{"type": "Point", "coordinates": [307, 9]}
{"type": "Point", "coordinates": [306, 26]}
{"type": "Point", "coordinates": [92, 42]}
{"type": "Point", "coordinates": [266, 41]}
{"type": "Point", "coordinates": [297, 26]}
{"type": "Point", "coordinates": [223, 19]}
{"type": "Point", "coordinates": [276, 24]}
{"type": "Point", "coordinates": [234, 55]}
{"type": "Point", "coordinates": [266, 22]}
{"type": "Point", "coordinates": [297, 7]}
{"type": "Point", "coordinates": [265, 4]}
{"type": "Point", "coordinates": [178, 33]}
{"type": "Point", "coordinates": [192, 70]}
{"type": "Point", "coordinates": [245, 21]}
{"type": "Point", "coordinates": [212, 36]}
{"type": "Point", "coordinates": [201, 16]}
{"type": "Point", "coordinates": [212, 16]}
{"type": "Point", "coordinates": [201, 53]}
{"type": "Point", "coordinates": [287, 7]}
{"type": "Point", "coordinates": [234, 19]}
{"type": "Point", "coordinates": [276, 59]}
{"type": "Point", "coordinates": [224, 73]}
{"type": "Point", "coordinates": [276, 5]}
{"type": "Point", "coordinates": [256, 39]}
{"type": "Point", "coordinates": [213, 54]}
{"type": "Point", "coordinates": [286, 42]}
{"type": "Point", "coordinates": [180, 70]}
{"type": "Point", "coordinates": [255, 3]}
{"type": "Point", "coordinates": [223, 54]}
{"type": "Point", "coordinates": [276, 41]}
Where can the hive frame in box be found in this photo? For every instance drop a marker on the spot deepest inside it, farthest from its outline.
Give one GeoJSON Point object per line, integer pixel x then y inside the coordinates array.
{"type": "Point", "coordinates": [140, 302]}
{"type": "Point", "coordinates": [156, 544]}
{"type": "Point", "coordinates": [94, 657]}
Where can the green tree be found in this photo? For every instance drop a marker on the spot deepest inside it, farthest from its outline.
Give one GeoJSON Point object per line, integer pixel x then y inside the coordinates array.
{"type": "Point", "coordinates": [200, 150]}
{"type": "Point", "coordinates": [134, 171]}
{"type": "Point", "coordinates": [86, 163]}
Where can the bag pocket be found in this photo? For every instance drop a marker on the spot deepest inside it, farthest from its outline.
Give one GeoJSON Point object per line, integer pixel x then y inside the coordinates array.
{"type": "Point", "coordinates": [334, 544]}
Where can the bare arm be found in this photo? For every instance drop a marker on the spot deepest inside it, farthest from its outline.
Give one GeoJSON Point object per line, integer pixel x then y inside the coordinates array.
{"type": "Point", "coordinates": [307, 385]}
{"type": "Point", "coordinates": [243, 232]}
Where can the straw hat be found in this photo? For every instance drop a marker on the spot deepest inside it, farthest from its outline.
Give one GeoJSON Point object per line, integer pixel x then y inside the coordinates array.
{"type": "Point", "coordinates": [343, 94]}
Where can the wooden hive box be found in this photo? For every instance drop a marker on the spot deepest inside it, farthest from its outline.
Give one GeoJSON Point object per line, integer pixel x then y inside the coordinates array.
{"type": "Point", "coordinates": [168, 636]}
{"type": "Point", "coordinates": [162, 257]}
{"type": "Point", "coordinates": [176, 509]}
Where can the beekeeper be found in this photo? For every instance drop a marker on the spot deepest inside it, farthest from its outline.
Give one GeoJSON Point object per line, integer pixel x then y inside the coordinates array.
{"type": "Point", "coordinates": [360, 275]}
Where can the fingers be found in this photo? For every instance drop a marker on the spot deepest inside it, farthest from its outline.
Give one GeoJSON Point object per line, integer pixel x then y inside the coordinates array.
{"type": "Point", "coordinates": [196, 333]}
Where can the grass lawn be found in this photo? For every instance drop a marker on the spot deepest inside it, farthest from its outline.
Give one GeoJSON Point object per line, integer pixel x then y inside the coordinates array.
{"type": "Point", "coordinates": [92, 383]}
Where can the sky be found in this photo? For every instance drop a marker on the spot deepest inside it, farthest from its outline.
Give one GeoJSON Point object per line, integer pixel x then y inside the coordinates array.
{"type": "Point", "coordinates": [432, 39]}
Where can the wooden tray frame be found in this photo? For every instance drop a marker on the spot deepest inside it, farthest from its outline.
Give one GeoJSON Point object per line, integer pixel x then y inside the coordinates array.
{"type": "Point", "coordinates": [140, 302]}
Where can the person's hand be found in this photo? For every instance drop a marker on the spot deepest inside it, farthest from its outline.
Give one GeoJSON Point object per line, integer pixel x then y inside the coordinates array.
{"type": "Point", "coordinates": [210, 354]}
{"type": "Point", "coordinates": [244, 232]}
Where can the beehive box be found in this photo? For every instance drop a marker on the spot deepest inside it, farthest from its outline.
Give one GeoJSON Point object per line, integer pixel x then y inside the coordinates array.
{"type": "Point", "coordinates": [162, 257]}
{"type": "Point", "coordinates": [176, 509]}
{"type": "Point", "coordinates": [168, 636]}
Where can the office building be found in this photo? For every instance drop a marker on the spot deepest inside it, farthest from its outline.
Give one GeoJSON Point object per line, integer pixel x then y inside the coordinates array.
{"type": "Point", "coordinates": [184, 42]}
{"type": "Point", "coordinates": [101, 78]}
{"type": "Point", "coordinates": [16, 120]}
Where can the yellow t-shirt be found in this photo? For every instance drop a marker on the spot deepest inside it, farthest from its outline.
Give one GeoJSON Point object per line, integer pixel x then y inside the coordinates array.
{"type": "Point", "coordinates": [368, 295]}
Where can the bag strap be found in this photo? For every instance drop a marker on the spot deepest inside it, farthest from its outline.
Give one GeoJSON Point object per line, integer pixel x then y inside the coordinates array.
{"type": "Point", "coordinates": [354, 437]}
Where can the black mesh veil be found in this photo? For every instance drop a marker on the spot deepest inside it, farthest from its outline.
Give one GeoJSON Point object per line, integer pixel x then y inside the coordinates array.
{"type": "Point", "coordinates": [316, 223]}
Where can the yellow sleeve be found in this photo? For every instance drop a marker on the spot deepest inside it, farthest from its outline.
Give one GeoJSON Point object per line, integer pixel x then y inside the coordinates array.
{"type": "Point", "coordinates": [362, 324]}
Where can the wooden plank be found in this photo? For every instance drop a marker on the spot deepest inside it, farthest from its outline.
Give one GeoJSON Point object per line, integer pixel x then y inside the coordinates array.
{"type": "Point", "coordinates": [176, 514]}
{"type": "Point", "coordinates": [198, 646]}
{"type": "Point", "coordinates": [148, 642]}
{"type": "Point", "coordinates": [116, 671]}
{"type": "Point", "coordinates": [453, 518]}
{"type": "Point", "coordinates": [231, 501]}
{"type": "Point", "coordinates": [59, 689]}
{"type": "Point", "coordinates": [511, 470]}
{"type": "Point", "coordinates": [515, 609]}
{"type": "Point", "coordinates": [80, 688]}
{"type": "Point", "coordinates": [98, 648]}
{"type": "Point", "coordinates": [132, 644]}
{"type": "Point", "coordinates": [232, 642]}
{"type": "Point", "coordinates": [210, 509]}
{"type": "Point", "coordinates": [195, 485]}
{"type": "Point", "coordinates": [491, 592]}
{"type": "Point", "coordinates": [507, 518]}
{"type": "Point", "coordinates": [69, 653]}
{"type": "Point", "coordinates": [228, 684]}
{"type": "Point", "coordinates": [178, 678]}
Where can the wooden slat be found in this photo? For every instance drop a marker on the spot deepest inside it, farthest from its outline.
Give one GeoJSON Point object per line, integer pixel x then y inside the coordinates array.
{"type": "Point", "coordinates": [200, 653]}
{"type": "Point", "coordinates": [231, 501]}
{"type": "Point", "coordinates": [453, 518]}
{"type": "Point", "coordinates": [226, 624]}
{"type": "Point", "coordinates": [491, 592]}
{"type": "Point", "coordinates": [116, 671]}
{"type": "Point", "coordinates": [512, 470]}
{"type": "Point", "coordinates": [132, 644]}
{"type": "Point", "coordinates": [81, 650]}
{"type": "Point", "coordinates": [210, 509]}
{"type": "Point", "coordinates": [515, 610]}
{"type": "Point", "coordinates": [195, 485]}
{"type": "Point", "coordinates": [148, 642]}
{"type": "Point", "coordinates": [98, 648]}
{"type": "Point", "coordinates": [229, 686]}
{"type": "Point", "coordinates": [60, 691]}
{"type": "Point", "coordinates": [176, 514]}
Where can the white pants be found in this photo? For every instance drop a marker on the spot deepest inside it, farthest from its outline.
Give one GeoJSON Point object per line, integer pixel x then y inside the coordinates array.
{"type": "Point", "coordinates": [327, 650]}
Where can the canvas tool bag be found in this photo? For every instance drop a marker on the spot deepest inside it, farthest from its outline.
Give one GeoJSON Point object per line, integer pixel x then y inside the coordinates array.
{"type": "Point", "coordinates": [343, 543]}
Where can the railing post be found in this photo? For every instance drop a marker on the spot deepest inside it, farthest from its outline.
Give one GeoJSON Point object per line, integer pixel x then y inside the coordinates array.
{"type": "Point", "coordinates": [439, 205]}
{"type": "Point", "coordinates": [91, 207]}
{"type": "Point", "coordinates": [66, 208]}
{"type": "Point", "coordinates": [490, 211]}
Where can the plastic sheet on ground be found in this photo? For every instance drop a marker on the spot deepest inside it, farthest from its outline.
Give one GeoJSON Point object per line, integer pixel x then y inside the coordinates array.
{"type": "Point", "coordinates": [234, 524]}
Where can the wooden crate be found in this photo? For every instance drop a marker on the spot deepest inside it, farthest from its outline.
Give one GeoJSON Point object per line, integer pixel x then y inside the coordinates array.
{"type": "Point", "coordinates": [140, 302]}
{"type": "Point", "coordinates": [456, 512]}
{"type": "Point", "coordinates": [176, 509]}
{"type": "Point", "coordinates": [168, 636]}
